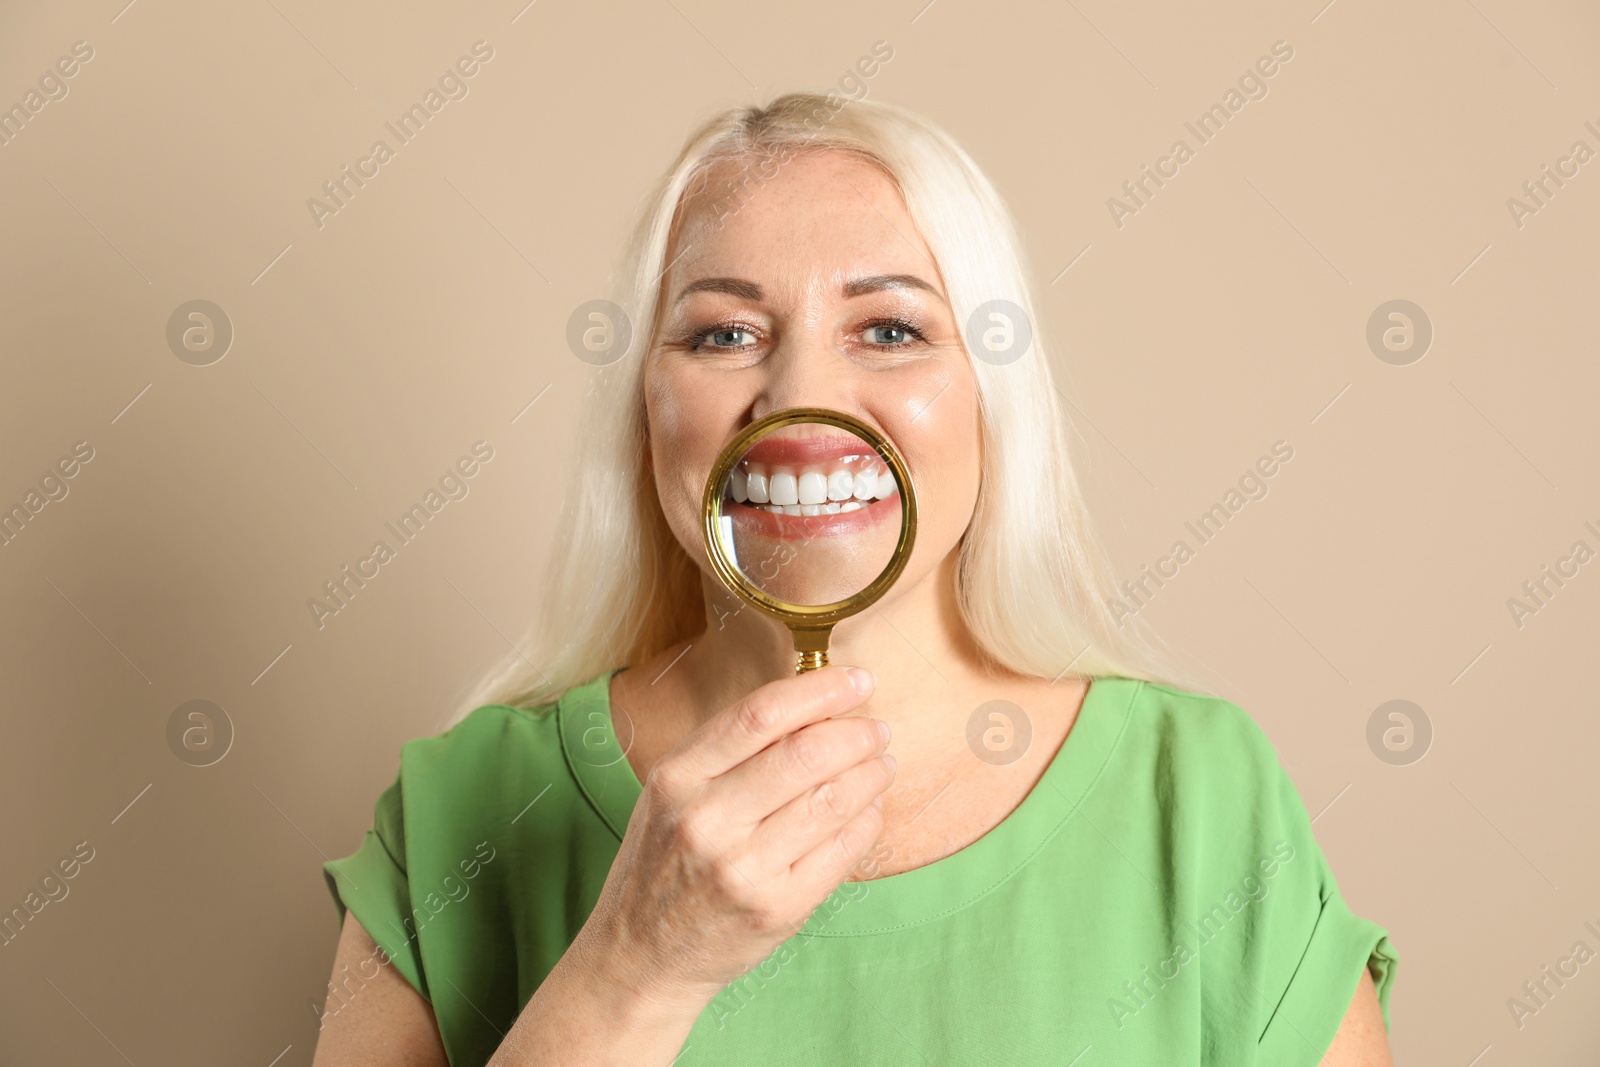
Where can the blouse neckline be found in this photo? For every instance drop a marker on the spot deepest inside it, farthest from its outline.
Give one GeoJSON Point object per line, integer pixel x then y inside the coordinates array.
{"type": "Point", "coordinates": [923, 894]}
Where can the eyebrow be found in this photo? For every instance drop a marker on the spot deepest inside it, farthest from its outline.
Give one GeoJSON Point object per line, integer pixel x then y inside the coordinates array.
{"type": "Point", "coordinates": [858, 287]}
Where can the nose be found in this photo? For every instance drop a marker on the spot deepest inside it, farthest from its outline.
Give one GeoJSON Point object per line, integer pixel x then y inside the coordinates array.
{"type": "Point", "coordinates": [805, 370]}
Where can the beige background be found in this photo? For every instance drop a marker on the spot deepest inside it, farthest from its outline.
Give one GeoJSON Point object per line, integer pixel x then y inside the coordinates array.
{"type": "Point", "coordinates": [1228, 313]}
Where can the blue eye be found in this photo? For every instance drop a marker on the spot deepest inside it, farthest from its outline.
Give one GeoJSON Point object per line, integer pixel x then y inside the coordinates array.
{"type": "Point", "coordinates": [722, 337]}
{"type": "Point", "coordinates": [892, 333]}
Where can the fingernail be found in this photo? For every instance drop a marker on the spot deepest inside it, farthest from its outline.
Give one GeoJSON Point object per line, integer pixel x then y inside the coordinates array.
{"type": "Point", "coordinates": [883, 730]}
{"type": "Point", "coordinates": [888, 758]}
{"type": "Point", "coordinates": [861, 679]}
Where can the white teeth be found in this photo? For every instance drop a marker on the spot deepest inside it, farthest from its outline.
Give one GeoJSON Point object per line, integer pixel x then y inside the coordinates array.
{"type": "Point", "coordinates": [813, 488]}
{"type": "Point", "coordinates": [784, 489]}
{"type": "Point", "coordinates": [811, 492]}
{"type": "Point", "coordinates": [756, 486]}
{"type": "Point", "coordinates": [866, 482]}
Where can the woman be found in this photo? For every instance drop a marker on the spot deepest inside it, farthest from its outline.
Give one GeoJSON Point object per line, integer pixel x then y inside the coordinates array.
{"type": "Point", "coordinates": [652, 843]}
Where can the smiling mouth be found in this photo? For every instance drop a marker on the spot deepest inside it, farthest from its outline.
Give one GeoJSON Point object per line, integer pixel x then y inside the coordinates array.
{"type": "Point", "coordinates": [798, 482]}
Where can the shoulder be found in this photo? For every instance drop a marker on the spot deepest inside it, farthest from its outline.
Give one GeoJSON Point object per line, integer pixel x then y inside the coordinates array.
{"type": "Point", "coordinates": [1207, 754]}
{"type": "Point", "coordinates": [486, 771]}
{"type": "Point", "coordinates": [1198, 726]}
{"type": "Point", "coordinates": [488, 735]}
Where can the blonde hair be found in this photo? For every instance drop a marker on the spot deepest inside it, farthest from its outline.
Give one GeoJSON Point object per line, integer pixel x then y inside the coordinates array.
{"type": "Point", "coordinates": [1033, 584]}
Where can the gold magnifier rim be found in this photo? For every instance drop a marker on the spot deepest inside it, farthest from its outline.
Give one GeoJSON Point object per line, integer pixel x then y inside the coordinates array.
{"type": "Point", "coordinates": [807, 616]}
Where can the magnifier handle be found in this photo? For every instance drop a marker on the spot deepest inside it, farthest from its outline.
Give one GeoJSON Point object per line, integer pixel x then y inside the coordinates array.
{"type": "Point", "coordinates": [811, 647]}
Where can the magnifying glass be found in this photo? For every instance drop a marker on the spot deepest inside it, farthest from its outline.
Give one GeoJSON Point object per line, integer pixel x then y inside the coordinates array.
{"type": "Point", "coordinates": [810, 516]}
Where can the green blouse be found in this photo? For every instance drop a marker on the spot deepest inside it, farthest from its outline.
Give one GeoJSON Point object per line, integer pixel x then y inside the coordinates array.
{"type": "Point", "coordinates": [1158, 897]}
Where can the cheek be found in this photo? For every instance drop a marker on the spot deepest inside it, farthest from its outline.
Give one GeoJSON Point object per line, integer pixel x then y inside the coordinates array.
{"type": "Point", "coordinates": [680, 455]}
{"type": "Point", "coordinates": [961, 460]}
{"type": "Point", "coordinates": [942, 443]}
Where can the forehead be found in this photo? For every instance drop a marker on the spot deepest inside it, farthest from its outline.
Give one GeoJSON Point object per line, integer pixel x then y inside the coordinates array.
{"type": "Point", "coordinates": [820, 218]}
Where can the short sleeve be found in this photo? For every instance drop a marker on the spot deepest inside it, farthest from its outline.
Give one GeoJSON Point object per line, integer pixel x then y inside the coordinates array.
{"type": "Point", "coordinates": [372, 883]}
{"type": "Point", "coordinates": [1327, 963]}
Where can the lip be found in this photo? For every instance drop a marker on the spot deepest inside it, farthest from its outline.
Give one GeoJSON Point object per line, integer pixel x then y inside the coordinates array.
{"type": "Point", "coordinates": [777, 451]}
{"type": "Point", "coordinates": [763, 523]}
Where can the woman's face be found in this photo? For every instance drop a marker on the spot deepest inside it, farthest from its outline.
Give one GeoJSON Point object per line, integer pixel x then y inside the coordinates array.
{"type": "Point", "coordinates": [812, 290]}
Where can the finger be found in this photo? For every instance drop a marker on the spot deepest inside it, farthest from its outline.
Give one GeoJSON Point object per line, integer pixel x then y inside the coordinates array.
{"type": "Point", "coordinates": [766, 714]}
{"type": "Point", "coordinates": [821, 811]}
{"type": "Point", "coordinates": [797, 764]}
{"type": "Point", "coordinates": [820, 871]}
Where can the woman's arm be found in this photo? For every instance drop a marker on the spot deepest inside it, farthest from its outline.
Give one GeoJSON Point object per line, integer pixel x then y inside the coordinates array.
{"type": "Point", "coordinates": [1361, 1040]}
{"type": "Point", "coordinates": [384, 1020]}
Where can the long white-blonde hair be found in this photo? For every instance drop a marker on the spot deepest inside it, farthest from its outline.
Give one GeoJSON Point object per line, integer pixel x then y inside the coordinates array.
{"type": "Point", "coordinates": [1033, 584]}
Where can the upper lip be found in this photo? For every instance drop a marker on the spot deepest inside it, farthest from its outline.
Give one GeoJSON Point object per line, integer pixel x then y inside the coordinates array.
{"type": "Point", "coordinates": [777, 450]}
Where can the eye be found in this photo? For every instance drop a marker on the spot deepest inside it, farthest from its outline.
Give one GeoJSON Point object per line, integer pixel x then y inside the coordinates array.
{"type": "Point", "coordinates": [724, 335]}
{"type": "Point", "coordinates": [892, 333]}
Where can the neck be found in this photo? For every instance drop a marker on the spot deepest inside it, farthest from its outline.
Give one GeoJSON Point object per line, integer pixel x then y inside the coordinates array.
{"type": "Point", "coordinates": [930, 672]}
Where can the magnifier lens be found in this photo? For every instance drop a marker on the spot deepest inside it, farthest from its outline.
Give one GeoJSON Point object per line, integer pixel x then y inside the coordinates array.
{"type": "Point", "coordinates": [811, 514]}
